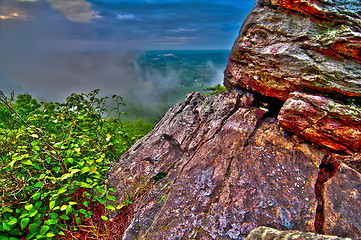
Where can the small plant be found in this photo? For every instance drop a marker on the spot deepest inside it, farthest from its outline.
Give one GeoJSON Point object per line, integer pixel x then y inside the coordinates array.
{"type": "Point", "coordinates": [53, 159]}
{"type": "Point", "coordinates": [215, 90]}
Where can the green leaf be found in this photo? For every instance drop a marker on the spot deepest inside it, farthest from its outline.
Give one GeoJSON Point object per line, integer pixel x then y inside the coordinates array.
{"type": "Point", "coordinates": [4, 238]}
{"type": "Point", "coordinates": [6, 226]}
{"type": "Point", "coordinates": [92, 169]}
{"type": "Point", "coordinates": [85, 185]}
{"type": "Point", "coordinates": [33, 212]}
{"type": "Point", "coordinates": [50, 234]}
{"type": "Point", "coordinates": [15, 232]}
{"type": "Point", "coordinates": [36, 196]}
{"type": "Point", "coordinates": [41, 177]}
{"type": "Point", "coordinates": [82, 211]}
{"type": "Point", "coordinates": [51, 221]}
{"type": "Point", "coordinates": [62, 190]}
{"type": "Point", "coordinates": [34, 136]}
{"type": "Point", "coordinates": [112, 198]}
{"type": "Point", "coordinates": [38, 185]}
{"type": "Point", "coordinates": [63, 208]}
{"type": "Point", "coordinates": [27, 162]}
{"type": "Point", "coordinates": [66, 176]}
{"type": "Point", "coordinates": [24, 222]}
{"type": "Point", "coordinates": [44, 229]}
{"type": "Point", "coordinates": [12, 220]}
{"type": "Point", "coordinates": [110, 207]}
{"type": "Point", "coordinates": [51, 204]}
{"type": "Point", "coordinates": [108, 137]}
{"type": "Point", "coordinates": [33, 227]}
{"type": "Point", "coordinates": [105, 218]}
{"type": "Point", "coordinates": [36, 166]}
{"type": "Point", "coordinates": [68, 209]}
{"type": "Point", "coordinates": [162, 198]}
{"type": "Point", "coordinates": [54, 215]}
{"type": "Point", "coordinates": [102, 201]}
{"type": "Point", "coordinates": [84, 170]}
{"type": "Point", "coordinates": [70, 160]}
{"type": "Point", "coordinates": [38, 204]}
{"type": "Point", "coordinates": [64, 217]}
{"type": "Point", "coordinates": [31, 235]}
{"type": "Point", "coordinates": [29, 207]}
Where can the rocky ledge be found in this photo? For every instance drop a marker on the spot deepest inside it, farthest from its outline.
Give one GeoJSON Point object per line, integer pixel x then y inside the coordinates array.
{"type": "Point", "coordinates": [216, 168]}
{"type": "Point", "coordinates": [280, 149]}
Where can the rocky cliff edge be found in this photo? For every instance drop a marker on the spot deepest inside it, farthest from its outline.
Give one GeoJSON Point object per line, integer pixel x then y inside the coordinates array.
{"type": "Point", "coordinates": [281, 149]}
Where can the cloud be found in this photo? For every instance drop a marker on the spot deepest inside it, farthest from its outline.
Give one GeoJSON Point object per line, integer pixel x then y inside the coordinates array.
{"type": "Point", "coordinates": [127, 17]}
{"type": "Point", "coordinates": [11, 12]}
{"type": "Point", "coordinates": [184, 30]}
{"type": "Point", "coordinates": [75, 10]}
{"type": "Point", "coordinates": [176, 39]}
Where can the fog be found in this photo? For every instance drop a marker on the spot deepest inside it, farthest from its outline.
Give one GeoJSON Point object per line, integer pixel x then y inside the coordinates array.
{"type": "Point", "coordinates": [147, 89]}
{"type": "Point", "coordinates": [52, 48]}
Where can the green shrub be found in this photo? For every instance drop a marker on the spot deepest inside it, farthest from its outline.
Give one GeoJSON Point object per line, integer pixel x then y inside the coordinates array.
{"type": "Point", "coordinates": [51, 152]}
{"type": "Point", "coordinates": [215, 90]}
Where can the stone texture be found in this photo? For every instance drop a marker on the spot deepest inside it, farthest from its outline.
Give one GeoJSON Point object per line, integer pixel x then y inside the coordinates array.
{"type": "Point", "coordinates": [290, 45]}
{"type": "Point", "coordinates": [267, 233]}
{"type": "Point", "coordinates": [330, 124]}
{"type": "Point", "coordinates": [353, 160]}
{"type": "Point", "coordinates": [343, 203]}
{"type": "Point", "coordinates": [228, 172]}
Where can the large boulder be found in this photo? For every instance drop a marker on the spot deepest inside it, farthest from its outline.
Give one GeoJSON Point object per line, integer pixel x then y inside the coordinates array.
{"type": "Point", "coordinates": [292, 45]}
{"type": "Point", "coordinates": [215, 168]}
{"type": "Point", "coordinates": [330, 124]}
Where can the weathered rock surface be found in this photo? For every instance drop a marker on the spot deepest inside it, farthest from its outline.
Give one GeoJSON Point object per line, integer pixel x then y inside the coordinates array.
{"type": "Point", "coordinates": [292, 45]}
{"type": "Point", "coordinates": [226, 171]}
{"type": "Point", "coordinates": [221, 166]}
{"type": "Point", "coordinates": [266, 233]}
{"type": "Point", "coordinates": [332, 125]}
{"type": "Point", "coordinates": [343, 203]}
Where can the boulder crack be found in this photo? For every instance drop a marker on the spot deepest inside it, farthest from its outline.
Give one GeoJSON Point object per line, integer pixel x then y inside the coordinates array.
{"type": "Point", "coordinates": [327, 170]}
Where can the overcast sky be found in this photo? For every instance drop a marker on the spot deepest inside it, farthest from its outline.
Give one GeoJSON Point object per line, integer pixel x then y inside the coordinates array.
{"type": "Point", "coordinates": [47, 45]}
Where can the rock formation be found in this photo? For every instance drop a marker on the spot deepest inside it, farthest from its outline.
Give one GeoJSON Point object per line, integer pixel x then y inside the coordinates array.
{"type": "Point", "coordinates": [330, 124]}
{"type": "Point", "coordinates": [290, 45]}
{"type": "Point", "coordinates": [271, 233]}
{"type": "Point", "coordinates": [280, 149]}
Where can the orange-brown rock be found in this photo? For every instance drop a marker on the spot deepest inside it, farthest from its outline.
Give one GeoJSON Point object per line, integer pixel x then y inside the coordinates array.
{"type": "Point", "coordinates": [330, 124]}
{"type": "Point", "coordinates": [292, 45]}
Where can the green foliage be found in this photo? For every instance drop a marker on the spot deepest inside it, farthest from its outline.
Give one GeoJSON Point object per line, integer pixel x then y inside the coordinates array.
{"type": "Point", "coordinates": [51, 152]}
{"type": "Point", "coordinates": [159, 176]}
{"type": "Point", "coordinates": [215, 90]}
